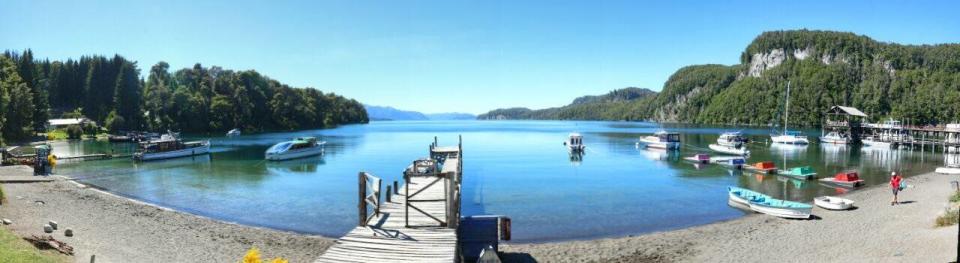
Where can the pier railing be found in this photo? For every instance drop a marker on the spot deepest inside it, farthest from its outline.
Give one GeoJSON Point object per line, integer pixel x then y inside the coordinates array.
{"type": "Point", "coordinates": [369, 197]}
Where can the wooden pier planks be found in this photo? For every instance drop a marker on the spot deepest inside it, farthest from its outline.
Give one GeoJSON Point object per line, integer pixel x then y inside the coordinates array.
{"type": "Point", "coordinates": [387, 239]}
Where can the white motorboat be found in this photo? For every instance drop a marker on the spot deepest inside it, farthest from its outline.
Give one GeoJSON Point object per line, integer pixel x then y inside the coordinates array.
{"type": "Point", "coordinates": [788, 137]}
{"type": "Point", "coordinates": [833, 203]}
{"type": "Point", "coordinates": [948, 170]}
{"type": "Point", "coordinates": [731, 143]}
{"type": "Point", "coordinates": [297, 148]}
{"type": "Point", "coordinates": [661, 140]}
{"type": "Point", "coordinates": [170, 146]}
{"type": "Point", "coordinates": [873, 141]}
{"type": "Point", "coordinates": [835, 138]}
{"type": "Point", "coordinates": [234, 132]}
{"type": "Point", "coordinates": [575, 143]}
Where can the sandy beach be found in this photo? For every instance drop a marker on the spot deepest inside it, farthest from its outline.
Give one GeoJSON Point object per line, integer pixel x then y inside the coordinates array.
{"type": "Point", "coordinates": [117, 229]}
{"type": "Point", "coordinates": [874, 232]}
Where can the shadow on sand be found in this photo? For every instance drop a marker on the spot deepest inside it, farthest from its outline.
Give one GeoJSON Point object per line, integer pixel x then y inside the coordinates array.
{"type": "Point", "coordinates": [517, 257]}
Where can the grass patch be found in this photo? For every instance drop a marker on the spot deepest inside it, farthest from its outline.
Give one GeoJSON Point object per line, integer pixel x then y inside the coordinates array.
{"type": "Point", "coordinates": [57, 135]}
{"type": "Point", "coordinates": [14, 249]}
{"type": "Point", "coordinates": [949, 219]}
{"type": "Point", "coordinates": [955, 197]}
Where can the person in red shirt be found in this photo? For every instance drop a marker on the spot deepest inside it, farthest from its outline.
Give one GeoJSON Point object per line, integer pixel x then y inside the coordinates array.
{"type": "Point", "coordinates": [895, 185]}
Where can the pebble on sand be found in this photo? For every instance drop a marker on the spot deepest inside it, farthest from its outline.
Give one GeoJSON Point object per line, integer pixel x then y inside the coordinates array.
{"type": "Point", "coordinates": [47, 228]}
{"type": "Point", "coordinates": [68, 232]}
{"type": "Point", "coordinates": [7, 221]}
{"type": "Point", "coordinates": [53, 224]}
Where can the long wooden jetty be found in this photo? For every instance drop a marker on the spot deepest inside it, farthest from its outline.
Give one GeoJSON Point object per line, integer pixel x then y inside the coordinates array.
{"type": "Point", "coordinates": [416, 223]}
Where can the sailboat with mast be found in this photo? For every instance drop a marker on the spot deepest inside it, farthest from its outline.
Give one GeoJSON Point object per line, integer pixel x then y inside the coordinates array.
{"type": "Point", "coordinates": [788, 136]}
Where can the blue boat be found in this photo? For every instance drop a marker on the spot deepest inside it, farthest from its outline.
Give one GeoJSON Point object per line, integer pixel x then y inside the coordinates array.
{"type": "Point", "coordinates": [745, 196]}
{"type": "Point", "coordinates": [782, 208]}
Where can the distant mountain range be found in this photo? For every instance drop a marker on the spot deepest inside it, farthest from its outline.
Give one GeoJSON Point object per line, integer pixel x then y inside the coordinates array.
{"type": "Point", "coordinates": [823, 68]}
{"type": "Point", "coordinates": [386, 113]}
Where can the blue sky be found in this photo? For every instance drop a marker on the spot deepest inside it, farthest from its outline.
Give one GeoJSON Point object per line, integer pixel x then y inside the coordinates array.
{"type": "Point", "coordinates": [444, 56]}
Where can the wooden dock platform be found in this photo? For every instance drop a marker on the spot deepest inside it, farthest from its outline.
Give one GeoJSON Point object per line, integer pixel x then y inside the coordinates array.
{"type": "Point", "coordinates": [417, 224]}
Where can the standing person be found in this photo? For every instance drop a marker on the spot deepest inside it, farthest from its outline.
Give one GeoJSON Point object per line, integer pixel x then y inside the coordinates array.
{"type": "Point", "coordinates": [895, 185]}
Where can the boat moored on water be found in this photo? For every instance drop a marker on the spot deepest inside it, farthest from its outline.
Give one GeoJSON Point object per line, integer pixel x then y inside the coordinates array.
{"type": "Point", "coordinates": [699, 158]}
{"type": "Point", "coordinates": [762, 167]}
{"type": "Point", "coordinates": [874, 141]}
{"type": "Point", "coordinates": [803, 172]}
{"type": "Point", "coordinates": [575, 143]}
{"type": "Point", "coordinates": [790, 137]}
{"type": "Point", "coordinates": [661, 140]}
{"type": "Point", "coordinates": [835, 138]}
{"type": "Point", "coordinates": [735, 162]}
{"type": "Point", "coordinates": [234, 132]}
{"type": "Point", "coordinates": [170, 146]}
{"type": "Point", "coordinates": [731, 143]}
{"type": "Point", "coordinates": [845, 179]}
{"type": "Point", "coordinates": [297, 148]}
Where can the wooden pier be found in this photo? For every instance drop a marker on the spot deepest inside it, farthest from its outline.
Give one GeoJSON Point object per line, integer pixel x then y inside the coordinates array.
{"type": "Point", "coordinates": [850, 121]}
{"type": "Point", "coordinates": [416, 223]}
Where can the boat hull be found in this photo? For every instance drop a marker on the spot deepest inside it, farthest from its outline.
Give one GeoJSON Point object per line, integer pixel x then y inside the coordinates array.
{"type": "Point", "coordinates": [729, 149]}
{"type": "Point", "coordinates": [842, 183]}
{"type": "Point", "coordinates": [833, 140]}
{"type": "Point", "coordinates": [295, 154]}
{"type": "Point", "coordinates": [797, 213]}
{"type": "Point", "coordinates": [789, 139]}
{"type": "Point", "coordinates": [833, 203]}
{"type": "Point", "coordinates": [657, 144]}
{"type": "Point", "coordinates": [199, 150]}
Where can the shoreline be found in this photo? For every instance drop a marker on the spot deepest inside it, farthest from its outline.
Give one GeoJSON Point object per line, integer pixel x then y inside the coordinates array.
{"type": "Point", "coordinates": [873, 232]}
{"type": "Point", "coordinates": [120, 229]}
{"type": "Point", "coordinates": [117, 228]}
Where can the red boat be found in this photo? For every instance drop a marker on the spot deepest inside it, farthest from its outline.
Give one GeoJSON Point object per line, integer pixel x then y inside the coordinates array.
{"type": "Point", "coordinates": [762, 167]}
{"type": "Point", "coordinates": [848, 179]}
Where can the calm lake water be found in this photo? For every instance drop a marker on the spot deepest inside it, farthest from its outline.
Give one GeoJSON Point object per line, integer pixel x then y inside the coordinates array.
{"type": "Point", "coordinates": [514, 168]}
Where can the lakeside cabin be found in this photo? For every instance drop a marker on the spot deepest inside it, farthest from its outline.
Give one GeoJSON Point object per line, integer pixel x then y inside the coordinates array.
{"type": "Point", "coordinates": [54, 124]}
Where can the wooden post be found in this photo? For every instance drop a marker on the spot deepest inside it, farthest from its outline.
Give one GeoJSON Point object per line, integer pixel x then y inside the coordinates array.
{"type": "Point", "coordinates": [389, 193]}
{"type": "Point", "coordinates": [406, 206]}
{"type": "Point", "coordinates": [396, 190]}
{"type": "Point", "coordinates": [362, 206]}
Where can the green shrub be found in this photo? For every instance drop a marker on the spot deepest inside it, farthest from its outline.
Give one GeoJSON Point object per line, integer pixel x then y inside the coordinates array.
{"type": "Point", "coordinates": [74, 132]}
{"type": "Point", "coordinates": [949, 219]}
{"type": "Point", "coordinates": [955, 197]}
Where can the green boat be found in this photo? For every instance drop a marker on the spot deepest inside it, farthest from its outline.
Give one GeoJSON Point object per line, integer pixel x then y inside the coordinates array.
{"type": "Point", "coordinates": [803, 172]}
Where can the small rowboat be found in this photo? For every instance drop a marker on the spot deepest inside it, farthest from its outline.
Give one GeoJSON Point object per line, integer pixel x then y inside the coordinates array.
{"type": "Point", "coordinates": [762, 167]}
{"type": "Point", "coordinates": [804, 172]}
{"type": "Point", "coordinates": [833, 203]}
{"type": "Point", "coordinates": [699, 158]}
{"type": "Point", "coordinates": [744, 196]}
{"type": "Point", "coordinates": [782, 208]}
{"type": "Point", "coordinates": [845, 179]}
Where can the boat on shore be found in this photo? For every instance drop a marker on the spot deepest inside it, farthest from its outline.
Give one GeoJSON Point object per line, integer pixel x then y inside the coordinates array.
{"type": "Point", "coordinates": [575, 143]}
{"type": "Point", "coordinates": [661, 140]}
{"type": "Point", "coordinates": [744, 196]}
{"type": "Point", "coordinates": [835, 138]}
{"type": "Point", "coordinates": [948, 170]}
{"type": "Point", "coordinates": [782, 208]}
{"type": "Point", "coordinates": [803, 172]}
{"type": "Point", "coordinates": [845, 179]}
{"type": "Point", "coordinates": [297, 148]}
{"type": "Point", "coordinates": [833, 203]}
{"type": "Point", "coordinates": [731, 143]}
{"type": "Point", "coordinates": [170, 146]}
{"type": "Point", "coordinates": [234, 132]}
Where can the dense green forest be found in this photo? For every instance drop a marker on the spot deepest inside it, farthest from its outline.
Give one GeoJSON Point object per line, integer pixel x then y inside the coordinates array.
{"type": "Point", "coordinates": [603, 107]}
{"type": "Point", "coordinates": [916, 83]}
{"type": "Point", "coordinates": [112, 92]}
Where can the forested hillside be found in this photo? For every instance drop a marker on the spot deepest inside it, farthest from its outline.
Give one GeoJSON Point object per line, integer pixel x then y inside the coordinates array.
{"type": "Point", "coordinates": [611, 106]}
{"type": "Point", "coordinates": [918, 83]}
{"type": "Point", "coordinates": [112, 92]}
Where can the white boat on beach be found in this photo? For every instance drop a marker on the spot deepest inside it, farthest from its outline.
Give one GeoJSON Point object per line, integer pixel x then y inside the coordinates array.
{"type": "Point", "coordinates": [575, 143]}
{"type": "Point", "coordinates": [835, 138]}
{"type": "Point", "coordinates": [234, 132]}
{"type": "Point", "coordinates": [661, 140]}
{"type": "Point", "coordinates": [170, 146]}
{"type": "Point", "coordinates": [731, 143]}
{"type": "Point", "coordinates": [297, 148]}
{"type": "Point", "coordinates": [833, 203]}
{"type": "Point", "coordinates": [947, 170]}
{"type": "Point", "coordinates": [782, 208]}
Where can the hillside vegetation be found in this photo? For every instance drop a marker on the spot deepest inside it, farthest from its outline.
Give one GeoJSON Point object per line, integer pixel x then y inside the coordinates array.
{"type": "Point", "coordinates": [112, 92]}
{"type": "Point", "coordinates": [917, 83]}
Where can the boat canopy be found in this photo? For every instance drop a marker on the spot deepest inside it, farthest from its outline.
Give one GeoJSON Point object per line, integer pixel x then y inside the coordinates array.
{"type": "Point", "coordinates": [793, 133]}
{"type": "Point", "coordinates": [280, 147]}
{"type": "Point", "coordinates": [802, 170]}
{"type": "Point", "coordinates": [847, 176]}
{"type": "Point", "coordinates": [765, 165]}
